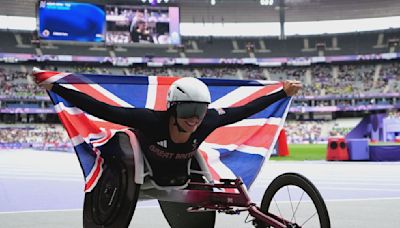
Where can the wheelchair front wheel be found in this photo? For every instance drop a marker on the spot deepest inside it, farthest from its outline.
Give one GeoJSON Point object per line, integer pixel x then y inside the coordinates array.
{"type": "Point", "coordinates": [113, 200]}
{"type": "Point", "coordinates": [296, 200]}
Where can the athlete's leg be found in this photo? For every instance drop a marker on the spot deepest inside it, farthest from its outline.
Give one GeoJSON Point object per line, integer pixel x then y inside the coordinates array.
{"type": "Point", "coordinates": [178, 216]}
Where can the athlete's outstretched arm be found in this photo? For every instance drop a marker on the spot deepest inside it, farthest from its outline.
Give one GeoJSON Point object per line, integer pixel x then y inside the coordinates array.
{"type": "Point", "coordinates": [235, 114]}
{"type": "Point", "coordinates": [131, 117]}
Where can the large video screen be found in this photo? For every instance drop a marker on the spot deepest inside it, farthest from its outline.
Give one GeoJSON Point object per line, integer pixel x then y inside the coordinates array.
{"type": "Point", "coordinates": [71, 21]}
{"type": "Point", "coordinates": [142, 24]}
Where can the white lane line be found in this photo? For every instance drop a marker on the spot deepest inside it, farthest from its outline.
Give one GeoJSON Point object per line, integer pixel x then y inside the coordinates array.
{"type": "Point", "coordinates": [39, 211]}
{"type": "Point", "coordinates": [359, 189]}
{"type": "Point", "coordinates": [355, 183]}
{"type": "Point", "coordinates": [344, 181]}
{"type": "Point", "coordinates": [157, 206]}
{"type": "Point", "coordinates": [40, 174]}
{"type": "Point", "coordinates": [344, 200]}
{"type": "Point", "coordinates": [41, 178]}
{"type": "Point", "coordinates": [362, 199]}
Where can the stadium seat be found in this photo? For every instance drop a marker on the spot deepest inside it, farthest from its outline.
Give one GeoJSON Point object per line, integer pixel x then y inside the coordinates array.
{"type": "Point", "coordinates": [337, 149]}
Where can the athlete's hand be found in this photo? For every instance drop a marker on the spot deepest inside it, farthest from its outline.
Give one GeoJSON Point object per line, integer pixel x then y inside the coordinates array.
{"type": "Point", "coordinates": [40, 79]}
{"type": "Point", "coordinates": [47, 86]}
{"type": "Point", "coordinates": [291, 87]}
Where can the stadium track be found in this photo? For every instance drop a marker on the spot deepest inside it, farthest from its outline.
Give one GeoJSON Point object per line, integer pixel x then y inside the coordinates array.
{"type": "Point", "coordinates": [45, 189]}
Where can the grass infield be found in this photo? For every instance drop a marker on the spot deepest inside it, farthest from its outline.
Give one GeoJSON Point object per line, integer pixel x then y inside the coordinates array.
{"type": "Point", "coordinates": [302, 152]}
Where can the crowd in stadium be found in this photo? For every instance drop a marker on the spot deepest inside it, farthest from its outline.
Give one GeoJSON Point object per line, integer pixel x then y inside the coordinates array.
{"type": "Point", "coordinates": [312, 132]}
{"type": "Point", "coordinates": [394, 115]}
{"type": "Point", "coordinates": [15, 83]}
{"type": "Point", "coordinates": [317, 79]}
{"type": "Point", "coordinates": [300, 132]}
{"type": "Point", "coordinates": [33, 136]}
{"type": "Point", "coordinates": [47, 134]}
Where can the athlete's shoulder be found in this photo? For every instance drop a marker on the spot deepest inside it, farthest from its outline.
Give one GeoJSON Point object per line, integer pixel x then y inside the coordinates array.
{"type": "Point", "coordinates": [148, 113]}
{"type": "Point", "coordinates": [216, 111]}
{"type": "Point", "coordinates": [213, 114]}
{"type": "Point", "coordinates": [160, 113]}
{"type": "Point", "coordinates": [212, 119]}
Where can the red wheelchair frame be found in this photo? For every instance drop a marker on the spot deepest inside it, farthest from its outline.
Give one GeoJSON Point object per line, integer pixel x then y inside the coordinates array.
{"type": "Point", "coordinates": [227, 196]}
{"type": "Point", "coordinates": [223, 202]}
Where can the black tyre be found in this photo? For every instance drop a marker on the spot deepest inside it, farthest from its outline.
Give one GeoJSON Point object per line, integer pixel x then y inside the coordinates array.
{"type": "Point", "coordinates": [294, 198]}
{"type": "Point", "coordinates": [112, 202]}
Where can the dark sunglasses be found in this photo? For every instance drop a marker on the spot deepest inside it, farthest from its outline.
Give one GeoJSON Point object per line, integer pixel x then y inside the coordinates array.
{"type": "Point", "coordinates": [190, 109]}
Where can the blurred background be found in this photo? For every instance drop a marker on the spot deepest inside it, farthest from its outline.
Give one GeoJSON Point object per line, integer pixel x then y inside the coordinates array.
{"type": "Point", "coordinates": [346, 54]}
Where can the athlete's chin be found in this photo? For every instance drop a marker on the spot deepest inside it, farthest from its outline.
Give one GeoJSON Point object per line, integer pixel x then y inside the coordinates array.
{"type": "Point", "coordinates": [190, 126]}
{"type": "Point", "coordinates": [191, 129]}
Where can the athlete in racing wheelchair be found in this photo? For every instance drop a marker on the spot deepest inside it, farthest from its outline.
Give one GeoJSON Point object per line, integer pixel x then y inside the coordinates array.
{"type": "Point", "coordinates": [168, 140]}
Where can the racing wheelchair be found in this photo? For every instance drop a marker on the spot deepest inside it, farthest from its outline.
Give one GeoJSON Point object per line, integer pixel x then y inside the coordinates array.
{"type": "Point", "coordinates": [290, 200]}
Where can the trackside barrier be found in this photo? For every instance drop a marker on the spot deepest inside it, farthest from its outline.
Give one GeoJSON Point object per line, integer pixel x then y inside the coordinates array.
{"type": "Point", "coordinates": [358, 149]}
{"type": "Point", "coordinates": [337, 149]}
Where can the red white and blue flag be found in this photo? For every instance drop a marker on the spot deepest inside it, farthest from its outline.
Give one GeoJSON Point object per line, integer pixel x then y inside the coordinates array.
{"type": "Point", "coordinates": [234, 150]}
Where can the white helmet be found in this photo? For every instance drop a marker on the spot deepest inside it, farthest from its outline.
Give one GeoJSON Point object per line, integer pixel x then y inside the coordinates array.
{"type": "Point", "coordinates": [188, 90]}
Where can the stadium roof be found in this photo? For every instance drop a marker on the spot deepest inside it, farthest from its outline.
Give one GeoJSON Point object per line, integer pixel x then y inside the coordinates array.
{"type": "Point", "coordinates": [248, 10]}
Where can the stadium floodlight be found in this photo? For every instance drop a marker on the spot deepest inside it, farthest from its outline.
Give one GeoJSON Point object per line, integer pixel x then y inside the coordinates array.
{"type": "Point", "coordinates": [213, 2]}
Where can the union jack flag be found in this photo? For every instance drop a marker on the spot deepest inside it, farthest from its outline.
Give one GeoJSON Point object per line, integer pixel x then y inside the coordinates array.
{"type": "Point", "coordinates": [234, 150]}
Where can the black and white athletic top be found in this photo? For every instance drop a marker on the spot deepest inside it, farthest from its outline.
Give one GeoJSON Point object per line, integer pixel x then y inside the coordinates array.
{"type": "Point", "coordinates": [168, 160]}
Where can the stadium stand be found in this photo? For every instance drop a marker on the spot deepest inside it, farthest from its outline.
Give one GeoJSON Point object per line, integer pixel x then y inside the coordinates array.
{"type": "Point", "coordinates": [219, 47]}
{"type": "Point", "coordinates": [365, 78]}
{"type": "Point", "coordinates": [38, 136]}
{"type": "Point", "coordinates": [338, 85]}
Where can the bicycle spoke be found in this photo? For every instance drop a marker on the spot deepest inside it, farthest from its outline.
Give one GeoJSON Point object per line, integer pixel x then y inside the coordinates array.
{"type": "Point", "coordinates": [309, 219]}
{"type": "Point", "coordinates": [291, 204]}
{"type": "Point", "coordinates": [279, 211]}
{"type": "Point", "coordinates": [297, 207]}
